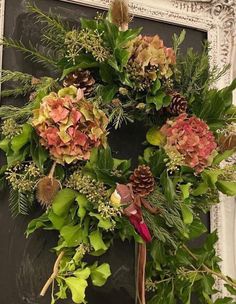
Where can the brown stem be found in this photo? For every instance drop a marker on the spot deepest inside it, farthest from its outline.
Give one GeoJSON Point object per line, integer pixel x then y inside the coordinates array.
{"type": "Point", "coordinates": [209, 270]}
{"type": "Point", "coordinates": [53, 275]}
{"type": "Point", "coordinates": [52, 170]}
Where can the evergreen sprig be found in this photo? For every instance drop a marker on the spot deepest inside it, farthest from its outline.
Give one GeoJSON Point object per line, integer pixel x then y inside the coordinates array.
{"type": "Point", "coordinates": [31, 52]}
{"type": "Point", "coordinates": [54, 29]}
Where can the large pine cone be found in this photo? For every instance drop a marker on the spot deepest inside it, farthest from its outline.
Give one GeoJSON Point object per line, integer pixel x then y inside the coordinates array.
{"type": "Point", "coordinates": [178, 104]}
{"type": "Point", "coordinates": [142, 181]}
{"type": "Point", "coordinates": [80, 79]}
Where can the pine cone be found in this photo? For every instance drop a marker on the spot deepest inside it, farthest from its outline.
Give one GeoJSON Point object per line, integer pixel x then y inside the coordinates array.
{"type": "Point", "coordinates": [80, 79]}
{"type": "Point", "coordinates": [178, 104]}
{"type": "Point", "coordinates": [142, 180]}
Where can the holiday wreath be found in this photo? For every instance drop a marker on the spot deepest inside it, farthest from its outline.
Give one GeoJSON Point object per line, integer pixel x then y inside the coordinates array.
{"type": "Point", "coordinates": [57, 154]}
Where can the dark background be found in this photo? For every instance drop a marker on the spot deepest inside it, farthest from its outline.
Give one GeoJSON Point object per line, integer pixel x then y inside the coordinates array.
{"type": "Point", "coordinates": [26, 264]}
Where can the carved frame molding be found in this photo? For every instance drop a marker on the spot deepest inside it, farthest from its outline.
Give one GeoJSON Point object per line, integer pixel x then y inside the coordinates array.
{"type": "Point", "coordinates": [218, 19]}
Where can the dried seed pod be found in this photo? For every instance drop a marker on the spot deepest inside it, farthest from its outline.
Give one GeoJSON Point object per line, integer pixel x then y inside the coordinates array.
{"type": "Point", "coordinates": [47, 188]}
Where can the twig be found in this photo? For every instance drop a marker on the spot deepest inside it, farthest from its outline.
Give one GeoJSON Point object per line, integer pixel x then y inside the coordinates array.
{"type": "Point", "coordinates": [53, 275]}
{"type": "Point", "coordinates": [209, 270]}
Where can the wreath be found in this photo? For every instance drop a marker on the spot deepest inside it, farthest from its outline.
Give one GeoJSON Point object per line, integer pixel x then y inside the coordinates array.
{"type": "Point", "coordinates": [57, 155]}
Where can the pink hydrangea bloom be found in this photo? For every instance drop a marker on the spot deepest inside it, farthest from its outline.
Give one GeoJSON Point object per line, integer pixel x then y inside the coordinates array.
{"type": "Point", "coordinates": [69, 126]}
{"type": "Point", "coordinates": [191, 137]}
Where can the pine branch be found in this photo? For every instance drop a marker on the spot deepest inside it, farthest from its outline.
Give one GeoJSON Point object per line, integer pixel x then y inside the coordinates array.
{"type": "Point", "coordinates": [20, 203]}
{"type": "Point", "coordinates": [118, 116]}
{"type": "Point", "coordinates": [31, 52]}
{"type": "Point", "coordinates": [7, 75]}
{"type": "Point", "coordinates": [54, 30]}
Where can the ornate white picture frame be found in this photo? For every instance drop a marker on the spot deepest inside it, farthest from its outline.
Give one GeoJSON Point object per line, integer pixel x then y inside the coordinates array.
{"type": "Point", "coordinates": [218, 19]}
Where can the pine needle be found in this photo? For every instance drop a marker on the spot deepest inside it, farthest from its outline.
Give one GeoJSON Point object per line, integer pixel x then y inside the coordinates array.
{"type": "Point", "coordinates": [31, 52]}
{"type": "Point", "coordinates": [54, 30]}
{"type": "Point", "coordinates": [119, 116]}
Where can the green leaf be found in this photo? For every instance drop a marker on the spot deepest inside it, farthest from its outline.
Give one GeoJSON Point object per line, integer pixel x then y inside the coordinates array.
{"type": "Point", "coordinates": [220, 157]}
{"type": "Point", "coordinates": [106, 73]}
{"type": "Point", "coordinates": [155, 137]}
{"type": "Point", "coordinates": [157, 100]}
{"type": "Point", "coordinates": [168, 186]}
{"type": "Point", "coordinates": [185, 190]}
{"type": "Point", "coordinates": [57, 221]}
{"type": "Point", "coordinates": [82, 273]}
{"type": "Point", "coordinates": [73, 235]}
{"type": "Point", "coordinates": [77, 287]}
{"type": "Point", "coordinates": [122, 57]}
{"type": "Point", "coordinates": [37, 223]}
{"type": "Point", "coordinates": [157, 162]}
{"type": "Point", "coordinates": [84, 62]}
{"type": "Point", "coordinates": [96, 241]}
{"type": "Point", "coordinates": [102, 223]}
{"type": "Point", "coordinates": [4, 145]}
{"type": "Point", "coordinates": [100, 274]}
{"type": "Point", "coordinates": [22, 139]}
{"type": "Point", "coordinates": [38, 152]}
{"type": "Point", "coordinates": [228, 188]}
{"type": "Point", "coordinates": [126, 36]}
{"type": "Point", "coordinates": [107, 92]}
{"type": "Point", "coordinates": [210, 177]}
{"type": "Point", "coordinates": [83, 204]}
{"type": "Point", "coordinates": [63, 200]}
{"type": "Point", "coordinates": [230, 289]}
{"type": "Point", "coordinates": [156, 87]}
{"type": "Point", "coordinates": [187, 214]}
{"type": "Point", "coordinates": [196, 229]}
{"type": "Point", "coordinates": [201, 189]}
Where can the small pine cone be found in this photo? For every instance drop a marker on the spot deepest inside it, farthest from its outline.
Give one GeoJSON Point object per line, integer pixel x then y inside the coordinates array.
{"type": "Point", "coordinates": [178, 104]}
{"type": "Point", "coordinates": [80, 79]}
{"type": "Point", "coordinates": [142, 181]}
{"type": "Point", "coordinates": [47, 188]}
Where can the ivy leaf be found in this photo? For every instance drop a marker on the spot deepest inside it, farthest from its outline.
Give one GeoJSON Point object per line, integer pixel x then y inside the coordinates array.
{"type": "Point", "coordinates": [83, 204]}
{"type": "Point", "coordinates": [77, 287]}
{"type": "Point", "coordinates": [100, 274]}
{"type": "Point", "coordinates": [96, 241]}
{"type": "Point", "coordinates": [57, 221]}
{"type": "Point", "coordinates": [63, 200]}
{"type": "Point", "coordinates": [73, 235]}
{"type": "Point", "coordinates": [82, 273]}
{"type": "Point", "coordinates": [228, 188]}
{"type": "Point", "coordinates": [102, 223]}
{"type": "Point", "coordinates": [22, 139]}
{"type": "Point", "coordinates": [37, 223]}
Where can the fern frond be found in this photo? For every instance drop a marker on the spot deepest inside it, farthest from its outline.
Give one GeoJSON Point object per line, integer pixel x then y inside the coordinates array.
{"type": "Point", "coordinates": [20, 203]}
{"type": "Point", "coordinates": [30, 52]}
